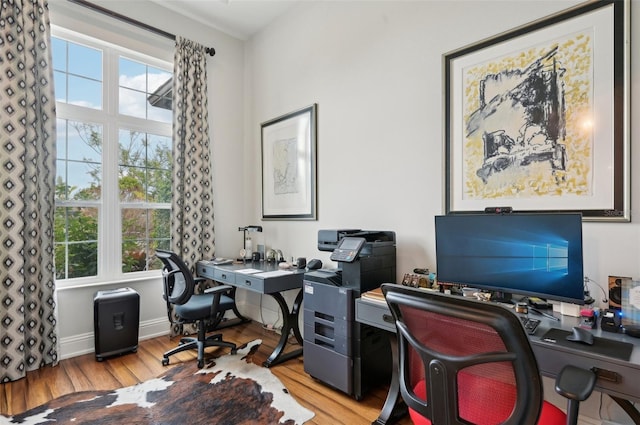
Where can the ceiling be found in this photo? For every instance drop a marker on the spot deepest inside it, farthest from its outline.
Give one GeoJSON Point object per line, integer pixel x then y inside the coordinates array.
{"type": "Point", "coordinates": [238, 18]}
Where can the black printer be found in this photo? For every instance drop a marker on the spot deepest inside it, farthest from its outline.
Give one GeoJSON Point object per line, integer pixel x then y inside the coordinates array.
{"type": "Point", "coordinates": [338, 350]}
{"type": "Point", "coordinates": [374, 264]}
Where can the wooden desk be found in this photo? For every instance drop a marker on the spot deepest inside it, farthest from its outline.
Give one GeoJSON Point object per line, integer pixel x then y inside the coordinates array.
{"type": "Point", "coordinates": [620, 379]}
{"type": "Point", "coordinates": [264, 278]}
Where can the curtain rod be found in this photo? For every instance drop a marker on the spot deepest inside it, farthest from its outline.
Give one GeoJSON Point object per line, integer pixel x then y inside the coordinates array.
{"type": "Point", "coordinates": [210, 50]}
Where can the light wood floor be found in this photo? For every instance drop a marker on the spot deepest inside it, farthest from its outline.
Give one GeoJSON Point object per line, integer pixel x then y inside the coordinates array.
{"type": "Point", "coordinates": [85, 373]}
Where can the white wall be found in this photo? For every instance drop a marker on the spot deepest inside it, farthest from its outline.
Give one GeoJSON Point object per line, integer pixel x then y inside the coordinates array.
{"type": "Point", "coordinates": [375, 70]}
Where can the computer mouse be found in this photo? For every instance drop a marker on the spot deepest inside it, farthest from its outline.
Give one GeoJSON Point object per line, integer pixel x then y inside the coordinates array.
{"type": "Point", "coordinates": [314, 264]}
{"type": "Point", "coordinates": [581, 335]}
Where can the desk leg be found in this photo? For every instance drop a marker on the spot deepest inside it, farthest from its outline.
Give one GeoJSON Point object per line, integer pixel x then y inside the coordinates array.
{"type": "Point", "coordinates": [290, 323]}
{"type": "Point", "coordinates": [394, 407]}
{"type": "Point", "coordinates": [629, 408]}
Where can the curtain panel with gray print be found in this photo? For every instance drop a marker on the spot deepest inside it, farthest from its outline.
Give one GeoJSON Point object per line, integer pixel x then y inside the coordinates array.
{"type": "Point", "coordinates": [28, 338]}
{"type": "Point", "coordinates": [192, 234]}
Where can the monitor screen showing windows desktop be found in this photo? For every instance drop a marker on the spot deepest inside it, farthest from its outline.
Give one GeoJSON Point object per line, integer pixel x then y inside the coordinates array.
{"type": "Point", "coordinates": [529, 254]}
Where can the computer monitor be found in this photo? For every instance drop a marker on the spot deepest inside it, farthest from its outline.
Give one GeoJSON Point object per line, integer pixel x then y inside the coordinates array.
{"type": "Point", "coordinates": [530, 254]}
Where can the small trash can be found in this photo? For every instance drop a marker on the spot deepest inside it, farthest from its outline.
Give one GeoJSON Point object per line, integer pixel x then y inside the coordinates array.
{"type": "Point", "coordinates": [116, 321]}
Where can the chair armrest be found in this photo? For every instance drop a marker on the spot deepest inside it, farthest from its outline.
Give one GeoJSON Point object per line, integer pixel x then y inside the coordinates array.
{"type": "Point", "coordinates": [218, 288]}
{"type": "Point", "coordinates": [575, 383]}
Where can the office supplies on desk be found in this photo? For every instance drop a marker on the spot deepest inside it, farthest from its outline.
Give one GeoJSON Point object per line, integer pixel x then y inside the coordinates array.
{"type": "Point", "coordinates": [588, 318]}
{"type": "Point", "coordinates": [274, 273]}
{"type": "Point", "coordinates": [248, 271]}
{"type": "Point", "coordinates": [530, 325]}
{"type": "Point", "coordinates": [221, 261]}
{"type": "Point", "coordinates": [542, 313]}
{"type": "Point", "coordinates": [247, 243]}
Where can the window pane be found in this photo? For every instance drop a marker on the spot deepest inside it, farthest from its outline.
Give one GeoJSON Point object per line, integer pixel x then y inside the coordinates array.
{"type": "Point", "coordinates": [132, 184]}
{"type": "Point", "coordinates": [162, 112]}
{"type": "Point", "coordinates": [159, 186]}
{"type": "Point", "coordinates": [155, 263]}
{"type": "Point", "coordinates": [158, 78]}
{"type": "Point", "coordinates": [85, 61]}
{"type": "Point", "coordinates": [59, 53]}
{"type": "Point", "coordinates": [133, 103]}
{"type": "Point", "coordinates": [76, 249]}
{"type": "Point", "coordinates": [133, 74]}
{"type": "Point", "coordinates": [85, 141]}
{"type": "Point", "coordinates": [60, 83]}
{"type": "Point", "coordinates": [83, 181]}
{"type": "Point", "coordinates": [134, 256]}
{"type": "Point", "coordinates": [145, 91]}
{"type": "Point", "coordinates": [148, 178]}
{"type": "Point", "coordinates": [84, 92]}
{"type": "Point", "coordinates": [133, 149]}
{"type": "Point", "coordinates": [134, 224]}
{"type": "Point", "coordinates": [160, 224]}
{"type": "Point", "coordinates": [134, 239]}
{"type": "Point", "coordinates": [78, 73]}
{"type": "Point", "coordinates": [159, 155]}
{"type": "Point", "coordinates": [62, 192]}
{"type": "Point", "coordinates": [83, 259]}
{"type": "Point", "coordinates": [79, 165]}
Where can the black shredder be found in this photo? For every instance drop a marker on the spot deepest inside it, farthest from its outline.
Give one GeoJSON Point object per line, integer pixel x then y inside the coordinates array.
{"type": "Point", "coordinates": [116, 319]}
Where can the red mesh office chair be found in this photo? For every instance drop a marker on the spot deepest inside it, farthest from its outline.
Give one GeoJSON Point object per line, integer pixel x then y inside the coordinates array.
{"type": "Point", "coordinates": [464, 361]}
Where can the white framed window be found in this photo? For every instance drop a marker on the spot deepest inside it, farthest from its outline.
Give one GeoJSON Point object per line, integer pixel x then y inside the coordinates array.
{"type": "Point", "coordinates": [113, 183]}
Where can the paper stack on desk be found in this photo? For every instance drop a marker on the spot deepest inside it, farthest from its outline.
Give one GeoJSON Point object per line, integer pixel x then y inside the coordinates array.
{"type": "Point", "coordinates": [375, 295]}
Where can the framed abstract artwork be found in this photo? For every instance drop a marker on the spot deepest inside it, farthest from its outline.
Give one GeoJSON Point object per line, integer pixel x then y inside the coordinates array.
{"type": "Point", "coordinates": [537, 118]}
{"type": "Point", "coordinates": [289, 166]}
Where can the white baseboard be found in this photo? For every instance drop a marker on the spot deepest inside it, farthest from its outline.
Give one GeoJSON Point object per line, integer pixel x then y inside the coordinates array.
{"type": "Point", "coordinates": [78, 345]}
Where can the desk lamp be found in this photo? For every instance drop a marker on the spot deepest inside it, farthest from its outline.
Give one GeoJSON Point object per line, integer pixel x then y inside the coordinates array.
{"type": "Point", "coordinates": [252, 228]}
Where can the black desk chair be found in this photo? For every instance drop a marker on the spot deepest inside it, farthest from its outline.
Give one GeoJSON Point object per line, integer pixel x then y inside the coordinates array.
{"type": "Point", "coordinates": [465, 361]}
{"type": "Point", "coordinates": [205, 310]}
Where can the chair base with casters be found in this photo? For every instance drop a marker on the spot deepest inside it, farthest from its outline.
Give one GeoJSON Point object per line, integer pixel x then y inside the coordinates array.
{"type": "Point", "coordinates": [200, 343]}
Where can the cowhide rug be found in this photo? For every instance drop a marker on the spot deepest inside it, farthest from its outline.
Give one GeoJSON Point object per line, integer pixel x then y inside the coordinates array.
{"type": "Point", "coordinates": [231, 391]}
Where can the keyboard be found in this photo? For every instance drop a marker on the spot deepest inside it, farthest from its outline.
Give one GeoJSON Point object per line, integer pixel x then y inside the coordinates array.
{"type": "Point", "coordinates": [530, 325]}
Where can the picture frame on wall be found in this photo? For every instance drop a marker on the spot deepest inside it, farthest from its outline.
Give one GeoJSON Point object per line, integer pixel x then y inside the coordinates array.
{"type": "Point", "coordinates": [289, 166]}
{"type": "Point", "coordinates": [537, 118]}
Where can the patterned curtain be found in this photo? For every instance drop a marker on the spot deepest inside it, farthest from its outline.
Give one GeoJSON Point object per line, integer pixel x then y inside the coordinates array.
{"type": "Point", "coordinates": [192, 232]}
{"type": "Point", "coordinates": [27, 174]}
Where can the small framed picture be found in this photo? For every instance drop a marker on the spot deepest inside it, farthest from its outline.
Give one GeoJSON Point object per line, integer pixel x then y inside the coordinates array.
{"type": "Point", "coordinates": [289, 166]}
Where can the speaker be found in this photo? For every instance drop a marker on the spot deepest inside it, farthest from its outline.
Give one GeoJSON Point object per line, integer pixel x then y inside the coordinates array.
{"type": "Point", "coordinates": [615, 292]}
{"type": "Point", "coordinates": [610, 321]}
